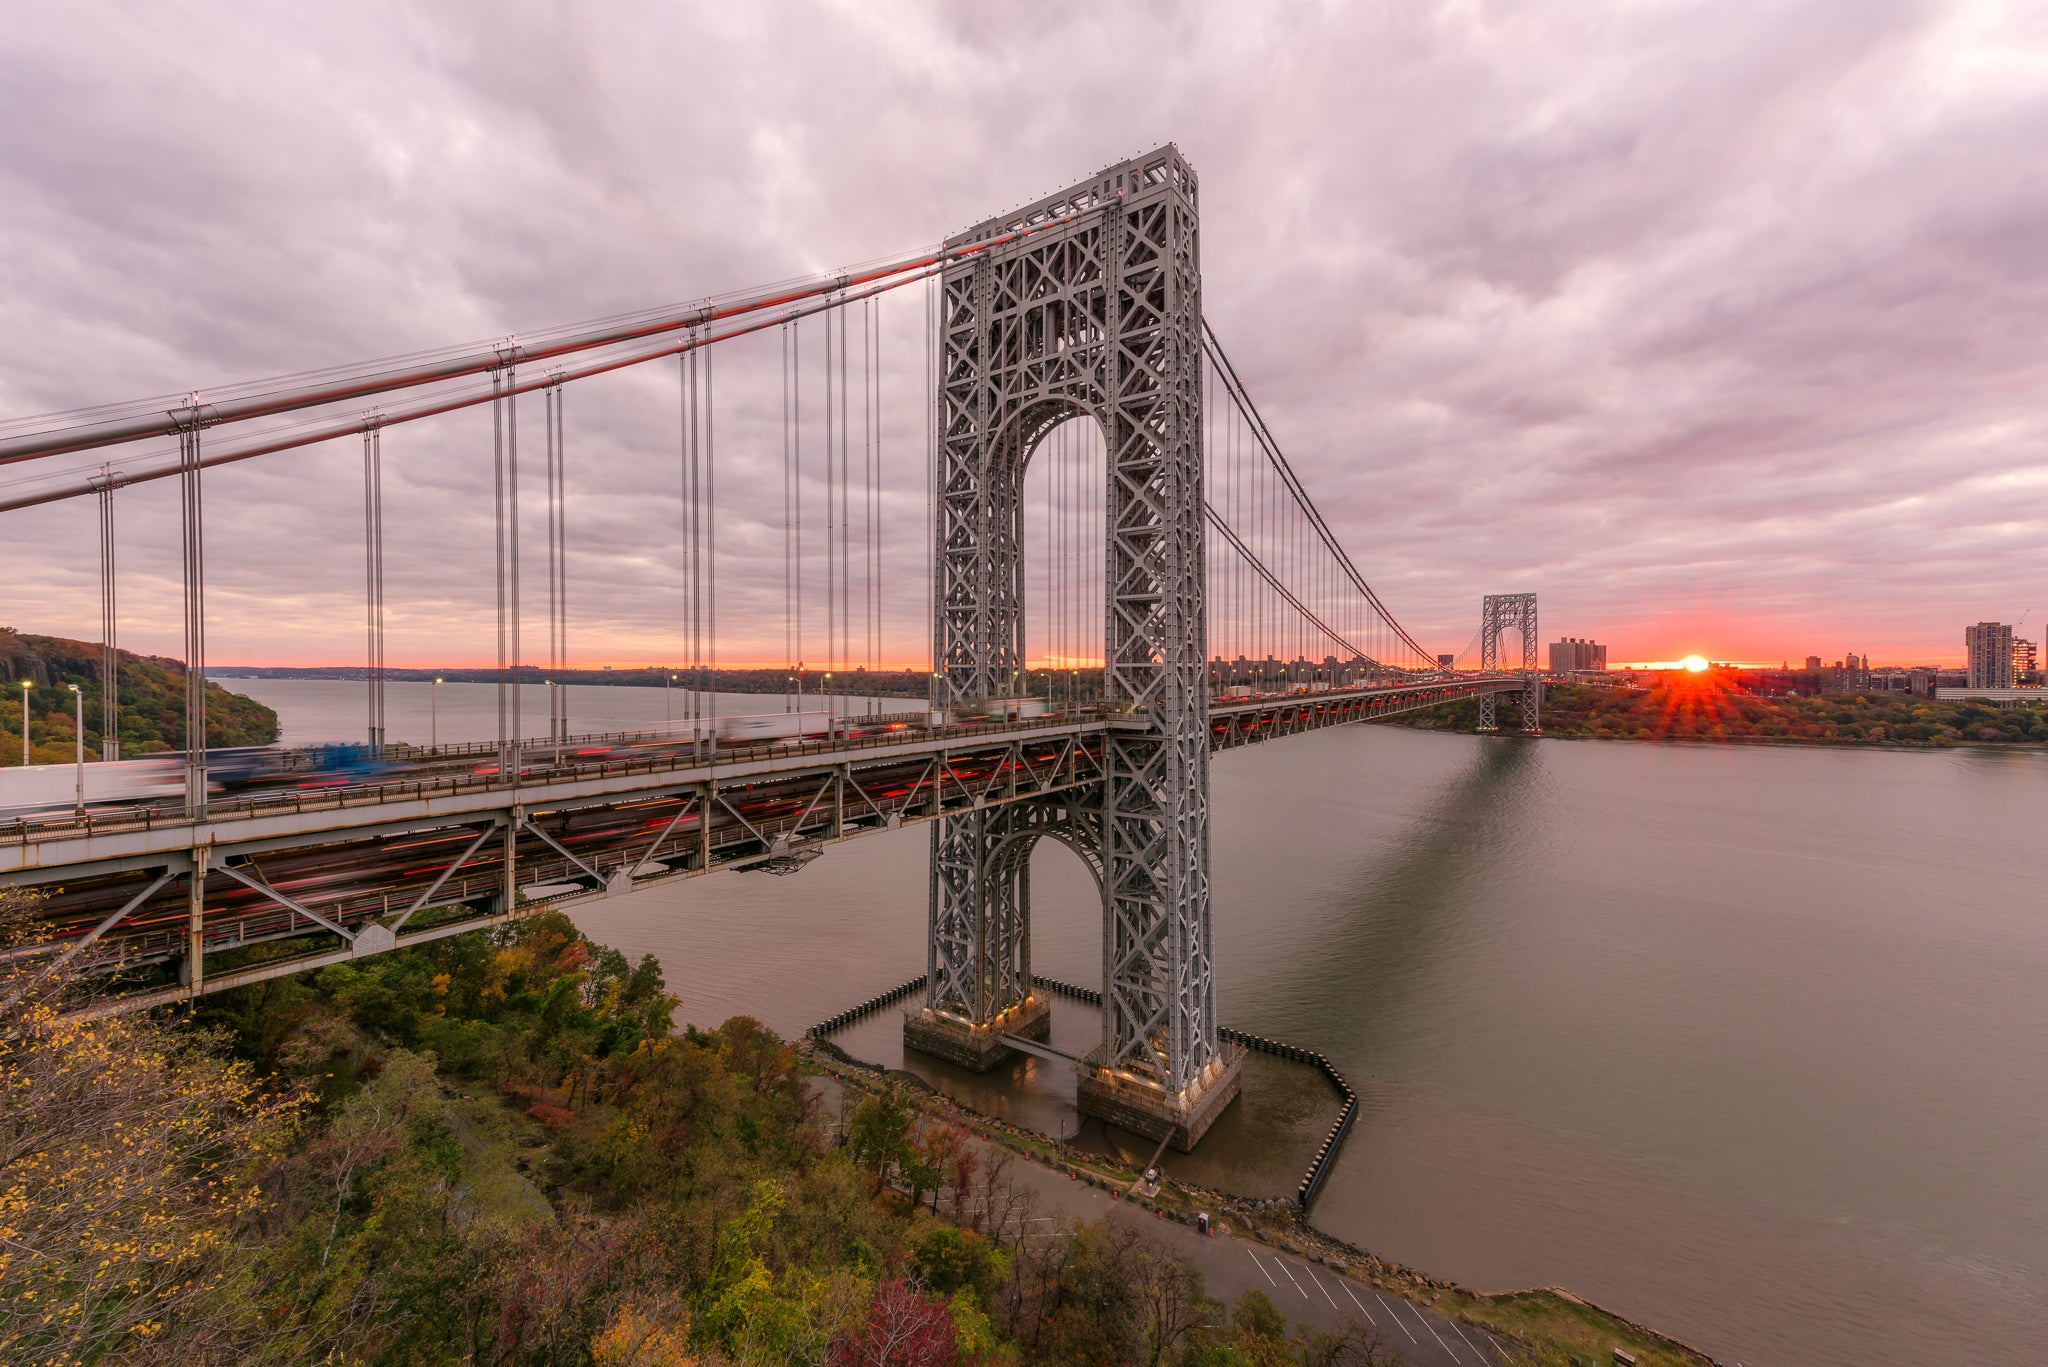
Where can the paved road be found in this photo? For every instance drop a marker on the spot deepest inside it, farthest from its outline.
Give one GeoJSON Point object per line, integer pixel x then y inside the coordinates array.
{"type": "Point", "coordinates": [1303, 1291]}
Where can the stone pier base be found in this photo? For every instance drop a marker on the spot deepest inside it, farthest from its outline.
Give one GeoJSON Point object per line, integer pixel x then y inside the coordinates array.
{"type": "Point", "coordinates": [1144, 1109]}
{"type": "Point", "coordinates": [977, 1048]}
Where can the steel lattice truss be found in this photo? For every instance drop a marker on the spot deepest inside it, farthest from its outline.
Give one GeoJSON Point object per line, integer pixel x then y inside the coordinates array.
{"type": "Point", "coordinates": [1515, 612]}
{"type": "Point", "coordinates": [1101, 318]}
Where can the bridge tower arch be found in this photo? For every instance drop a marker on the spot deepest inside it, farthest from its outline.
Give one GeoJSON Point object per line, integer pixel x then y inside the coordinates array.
{"type": "Point", "coordinates": [1098, 311]}
{"type": "Point", "coordinates": [1500, 613]}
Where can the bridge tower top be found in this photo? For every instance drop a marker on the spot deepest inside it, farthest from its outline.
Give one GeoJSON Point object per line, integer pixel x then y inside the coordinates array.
{"type": "Point", "coordinates": [1162, 166]}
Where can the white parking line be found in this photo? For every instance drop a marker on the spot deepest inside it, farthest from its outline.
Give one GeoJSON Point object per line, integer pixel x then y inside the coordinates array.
{"type": "Point", "coordinates": [1433, 1333]}
{"type": "Point", "coordinates": [1320, 1287]}
{"type": "Point", "coordinates": [1396, 1318]}
{"type": "Point", "coordinates": [1290, 1276]}
{"type": "Point", "coordinates": [1359, 1303]}
{"type": "Point", "coordinates": [1468, 1342]}
{"type": "Point", "coordinates": [1261, 1266]}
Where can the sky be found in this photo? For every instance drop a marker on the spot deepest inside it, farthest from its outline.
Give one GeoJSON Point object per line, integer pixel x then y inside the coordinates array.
{"type": "Point", "coordinates": [1718, 326]}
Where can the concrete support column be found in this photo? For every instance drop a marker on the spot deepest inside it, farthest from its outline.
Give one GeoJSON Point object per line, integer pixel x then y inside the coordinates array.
{"type": "Point", "coordinates": [195, 922]}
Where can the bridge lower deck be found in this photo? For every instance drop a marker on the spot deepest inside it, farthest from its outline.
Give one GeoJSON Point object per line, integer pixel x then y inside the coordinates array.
{"type": "Point", "coordinates": [353, 865]}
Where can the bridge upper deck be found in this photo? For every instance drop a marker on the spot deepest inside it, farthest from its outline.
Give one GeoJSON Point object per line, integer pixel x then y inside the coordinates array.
{"type": "Point", "coordinates": [441, 789]}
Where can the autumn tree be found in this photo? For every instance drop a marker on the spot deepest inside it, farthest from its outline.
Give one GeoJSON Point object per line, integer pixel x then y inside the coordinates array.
{"type": "Point", "coordinates": [128, 1151]}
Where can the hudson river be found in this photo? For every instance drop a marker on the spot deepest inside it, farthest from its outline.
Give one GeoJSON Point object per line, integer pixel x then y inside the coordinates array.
{"type": "Point", "coordinates": [1748, 1044]}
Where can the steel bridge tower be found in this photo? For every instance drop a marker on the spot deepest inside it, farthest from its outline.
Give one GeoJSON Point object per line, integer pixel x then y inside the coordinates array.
{"type": "Point", "coordinates": [1097, 317]}
{"type": "Point", "coordinates": [1499, 612]}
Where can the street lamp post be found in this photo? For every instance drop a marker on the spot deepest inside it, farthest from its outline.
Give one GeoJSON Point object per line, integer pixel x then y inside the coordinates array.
{"type": "Point", "coordinates": [78, 697]}
{"type": "Point", "coordinates": [434, 717]}
{"type": "Point", "coordinates": [25, 686]}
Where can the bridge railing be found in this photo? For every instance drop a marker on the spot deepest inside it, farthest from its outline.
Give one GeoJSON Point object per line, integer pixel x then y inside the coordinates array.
{"type": "Point", "coordinates": [342, 795]}
{"type": "Point", "coordinates": [540, 766]}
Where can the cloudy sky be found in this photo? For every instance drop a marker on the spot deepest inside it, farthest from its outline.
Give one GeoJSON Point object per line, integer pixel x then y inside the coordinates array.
{"type": "Point", "coordinates": [1722, 327]}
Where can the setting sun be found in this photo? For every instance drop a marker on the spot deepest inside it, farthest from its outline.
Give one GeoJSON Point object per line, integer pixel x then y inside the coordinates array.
{"type": "Point", "coordinates": [1693, 663]}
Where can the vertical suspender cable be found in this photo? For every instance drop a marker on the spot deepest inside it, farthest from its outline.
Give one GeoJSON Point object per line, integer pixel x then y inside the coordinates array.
{"type": "Point", "coordinates": [689, 433]}
{"type": "Point", "coordinates": [512, 545]}
{"type": "Point", "coordinates": [377, 540]}
{"type": "Point", "coordinates": [931, 406]}
{"type": "Point", "coordinates": [110, 655]}
{"type": "Point", "coordinates": [831, 534]}
{"type": "Point", "coordinates": [696, 537]}
{"type": "Point", "coordinates": [195, 617]}
{"type": "Point", "coordinates": [1056, 523]}
{"type": "Point", "coordinates": [554, 666]}
{"type": "Point", "coordinates": [788, 620]}
{"type": "Point", "coordinates": [562, 529]}
{"type": "Point", "coordinates": [867, 494]}
{"type": "Point", "coordinates": [845, 521]}
{"type": "Point", "coordinates": [796, 404]}
{"type": "Point", "coordinates": [710, 553]}
{"type": "Point", "coordinates": [370, 584]}
{"type": "Point", "coordinates": [498, 505]}
{"type": "Point", "coordinates": [875, 501]}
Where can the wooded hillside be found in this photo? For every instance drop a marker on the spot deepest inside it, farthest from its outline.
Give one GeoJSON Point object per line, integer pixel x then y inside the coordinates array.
{"type": "Point", "coordinates": [152, 702]}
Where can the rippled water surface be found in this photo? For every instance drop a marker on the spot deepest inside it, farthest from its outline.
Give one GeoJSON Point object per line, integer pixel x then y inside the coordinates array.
{"type": "Point", "coordinates": [1748, 1044]}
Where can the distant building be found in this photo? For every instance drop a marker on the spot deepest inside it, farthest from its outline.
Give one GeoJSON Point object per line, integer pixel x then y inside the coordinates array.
{"type": "Point", "coordinates": [1989, 648]}
{"type": "Point", "coordinates": [1572, 654]}
{"type": "Point", "coordinates": [1446, 661]}
{"type": "Point", "coordinates": [2002, 697]}
{"type": "Point", "coordinates": [2024, 660]}
{"type": "Point", "coordinates": [1813, 662]}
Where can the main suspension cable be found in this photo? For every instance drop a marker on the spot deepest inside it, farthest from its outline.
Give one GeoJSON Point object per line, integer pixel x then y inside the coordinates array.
{"type": "Point", "coordinates": [1263, 435]}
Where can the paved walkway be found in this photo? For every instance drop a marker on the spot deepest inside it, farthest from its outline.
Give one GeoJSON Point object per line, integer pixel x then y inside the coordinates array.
{"type": "Point", "coordinates": [1230, 1265]}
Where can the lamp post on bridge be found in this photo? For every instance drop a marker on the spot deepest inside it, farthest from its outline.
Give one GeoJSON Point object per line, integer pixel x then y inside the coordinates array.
{"type": "Point", "coordinates": [26, 684]}
{"type": "Point", "coordinates": [434, 717]}
{"type": "Point", "coordinates": [78, 733]}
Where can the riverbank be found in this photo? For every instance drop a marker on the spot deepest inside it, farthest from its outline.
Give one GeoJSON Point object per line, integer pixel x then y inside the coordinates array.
{"type": "Point", "coordinates": [1549, 1323]}
{"type": "Point", "coordinates": [1712, 709]}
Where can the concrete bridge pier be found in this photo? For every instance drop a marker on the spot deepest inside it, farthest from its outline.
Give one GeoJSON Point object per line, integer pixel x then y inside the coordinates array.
{"type": "Point", "coordinates": [979, 951]}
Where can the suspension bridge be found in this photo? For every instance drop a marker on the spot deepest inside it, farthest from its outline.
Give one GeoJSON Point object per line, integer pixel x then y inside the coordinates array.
{"type": "Point", "coordinates": [1188, 597]}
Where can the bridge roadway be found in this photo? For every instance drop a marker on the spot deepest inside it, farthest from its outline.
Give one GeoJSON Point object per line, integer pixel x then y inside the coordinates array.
{"type": "Point", "coordinates": [445, 841]}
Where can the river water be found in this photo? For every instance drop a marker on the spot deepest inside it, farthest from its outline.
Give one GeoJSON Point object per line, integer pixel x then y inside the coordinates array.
{"type": "Point", "coordinates": [1744, 1043]}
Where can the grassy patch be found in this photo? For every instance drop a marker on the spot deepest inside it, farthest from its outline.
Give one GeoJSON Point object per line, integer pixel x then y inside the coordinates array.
{"type": "Point", "coordinates": [1558, 1329]}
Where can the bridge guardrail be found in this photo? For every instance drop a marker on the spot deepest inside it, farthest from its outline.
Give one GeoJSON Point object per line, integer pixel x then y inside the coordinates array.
{"type": "Point", "coordinates": [339, 796]}
{"type": "Point", "coordinates": [370, 794]}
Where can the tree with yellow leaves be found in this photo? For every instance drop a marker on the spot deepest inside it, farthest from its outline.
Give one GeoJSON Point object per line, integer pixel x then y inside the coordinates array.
{"type": "Point", "coordinates": [128, 1151]}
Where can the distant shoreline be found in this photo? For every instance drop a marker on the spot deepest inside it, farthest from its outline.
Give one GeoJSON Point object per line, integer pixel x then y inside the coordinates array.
{"type": "Point", "coordinates": [1791, 742]}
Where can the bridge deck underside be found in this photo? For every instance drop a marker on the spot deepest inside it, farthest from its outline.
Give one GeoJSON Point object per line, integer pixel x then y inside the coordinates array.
{"type": "Point", "coordinates": [361, 863]}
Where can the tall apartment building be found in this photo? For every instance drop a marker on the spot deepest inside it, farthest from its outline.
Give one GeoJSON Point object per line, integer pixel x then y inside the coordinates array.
{"type": "Point", "coordinates": [1573, 654]}
{"type": "Point", "coordinates": [1813, 662]}
{"type": "Point", "coordinates": [1989, 647]}
{"type": "Point", "coordinates": [2024, 660]}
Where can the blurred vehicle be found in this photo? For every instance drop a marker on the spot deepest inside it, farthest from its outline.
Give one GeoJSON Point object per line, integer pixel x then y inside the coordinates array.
{"type": "Point", "coordinates": [41, 789]}
{"type": "Point", "coordinates": [1011, 709]}
{"type": "Point", "coordinates": [774, 726]}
